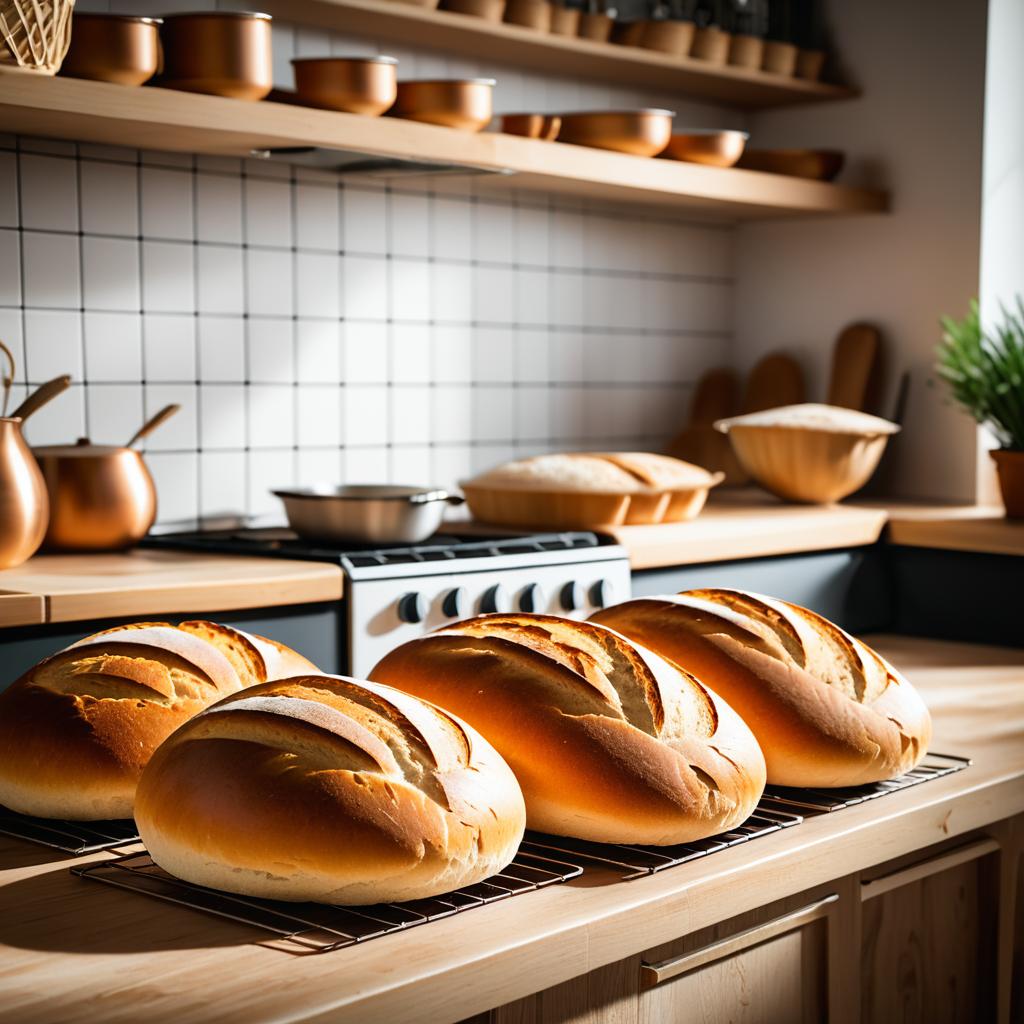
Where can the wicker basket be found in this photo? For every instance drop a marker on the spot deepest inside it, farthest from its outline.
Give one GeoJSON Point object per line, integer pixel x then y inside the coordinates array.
{"type": "Point", "coordinates": [34, 34]}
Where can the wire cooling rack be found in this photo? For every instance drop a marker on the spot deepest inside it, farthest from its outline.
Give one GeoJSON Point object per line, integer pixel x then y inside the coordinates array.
{"type": "Point", "coordinates": [74, 837]}
{"type": "Point", "coordinates": [542, 860]}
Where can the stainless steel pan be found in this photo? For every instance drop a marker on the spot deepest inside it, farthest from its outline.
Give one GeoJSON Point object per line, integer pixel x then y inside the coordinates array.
{"type": "Point", "coordinates": [366, 513]}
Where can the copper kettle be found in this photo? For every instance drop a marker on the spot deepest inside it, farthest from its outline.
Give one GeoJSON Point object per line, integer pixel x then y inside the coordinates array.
{"type": "Point", "coordinates": [23, 502]}
{"type": "Point", "coordinates": [102, 497]}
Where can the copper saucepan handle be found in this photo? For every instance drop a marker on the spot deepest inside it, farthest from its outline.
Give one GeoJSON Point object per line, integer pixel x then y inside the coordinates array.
{"type": "Point", "coordinates": [43, 394]}
{"type": "Point", "coordinates": [7, 379]}
{"type": "Point", "coordinates": [152, 423]}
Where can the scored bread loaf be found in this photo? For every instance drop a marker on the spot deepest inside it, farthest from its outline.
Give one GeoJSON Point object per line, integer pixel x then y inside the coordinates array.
{"type": "Point", "coordinates": [77, 729]}
{"type": "Point", "coordinates": [330, 789]}
{"type": "Point", "coordinates": [826, 709]}
{"type": "Point", "coordinates": [608, 741]}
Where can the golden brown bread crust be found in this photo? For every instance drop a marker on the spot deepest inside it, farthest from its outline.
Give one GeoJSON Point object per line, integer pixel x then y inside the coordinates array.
{"type": "Point", "coordinates": [78, 728]}
{"type": "Point", "coordinates": [329, 789]}
{"type": "Point", "coordinates": [609, 742]}
{"type": "Point", "coordinates": [826, 709]}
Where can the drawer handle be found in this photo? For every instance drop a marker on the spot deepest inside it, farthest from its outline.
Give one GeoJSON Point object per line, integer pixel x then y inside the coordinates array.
{"type": "Point", "coordinates": [654, 974]}
{"type": "Point", "coordinates": [915, 872]}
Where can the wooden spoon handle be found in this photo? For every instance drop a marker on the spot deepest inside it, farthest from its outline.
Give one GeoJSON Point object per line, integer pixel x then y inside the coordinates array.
{"type": "Point", "coordinates": [7, 379]}
{"type": "Point", "coordinates": [152, 423]}
{"type": "Point", "coordinates": [43, 394]}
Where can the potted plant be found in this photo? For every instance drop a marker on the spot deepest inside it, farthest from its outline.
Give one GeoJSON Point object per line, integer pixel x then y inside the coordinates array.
{"type": "Point", "coordinates": [985, 374]}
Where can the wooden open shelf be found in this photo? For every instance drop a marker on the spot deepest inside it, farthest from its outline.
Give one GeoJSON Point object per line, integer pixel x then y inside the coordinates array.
{"type": "Point", "coordinates": [162, 119]}
{"type": "Point", "coordinates": [510, 44]}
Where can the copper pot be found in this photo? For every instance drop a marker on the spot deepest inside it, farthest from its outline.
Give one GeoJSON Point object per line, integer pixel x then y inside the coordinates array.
{"type": "Point", "coordinates": [225, 53]}
{"type": "Point", "coordinates": [707, 146]}
{"type": "Point", "coordinates": [465, 103]}
{"type": "Point", "coordinates": [640, 132]}
{"type": "Point", "coordinates": [117, 48]}
{"type": "Point", "coordinates": [356, 85]}
{"type": "Point", "coordinates": [24, 506]}
{"type": "Point", "coordinates": [102, 497]}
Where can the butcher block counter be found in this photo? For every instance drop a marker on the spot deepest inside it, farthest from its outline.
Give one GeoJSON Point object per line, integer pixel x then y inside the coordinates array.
{"type": "Point", "coordinates": [820, 916]}
{"type": "Point", "coordinates": [70, 588]}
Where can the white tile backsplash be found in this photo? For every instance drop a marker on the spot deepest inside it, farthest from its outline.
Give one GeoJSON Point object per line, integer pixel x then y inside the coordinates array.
{"type": "Point", "coordinates": [316, 327]}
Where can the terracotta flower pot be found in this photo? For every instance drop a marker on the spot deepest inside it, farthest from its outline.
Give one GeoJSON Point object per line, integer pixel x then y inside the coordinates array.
{"type": "Point", "coordinates": [1010, 468]}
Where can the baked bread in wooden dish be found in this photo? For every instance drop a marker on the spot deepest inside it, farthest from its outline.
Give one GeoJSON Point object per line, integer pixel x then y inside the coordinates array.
{"type": "Point", "coordinates": [609, 742]}
{"type": "Point", "coordinates": [78, 728]}
{"type": "Point", "coordinates": [584, 490]}
{"type": "Point", "coordinates": [825, 708]}
{"type": "Point", "coordinates": [329, 789]}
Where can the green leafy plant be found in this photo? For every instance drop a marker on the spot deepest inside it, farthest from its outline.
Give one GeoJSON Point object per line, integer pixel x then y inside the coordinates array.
{"type": "Point", "coordinates": [985, 371]}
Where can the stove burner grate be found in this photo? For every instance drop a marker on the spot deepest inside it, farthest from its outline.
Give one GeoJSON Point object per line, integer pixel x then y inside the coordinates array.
{"type": "Point", "coordinates": [75, 837]}
{"type": "Point", "coordinates": [302, 928]}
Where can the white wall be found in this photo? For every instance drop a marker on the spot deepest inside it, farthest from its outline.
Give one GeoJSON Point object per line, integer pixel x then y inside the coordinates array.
{"type": "Point", "coordinates": [1002, 223]}
{"type": "Point", "coordinates": [917, 130]}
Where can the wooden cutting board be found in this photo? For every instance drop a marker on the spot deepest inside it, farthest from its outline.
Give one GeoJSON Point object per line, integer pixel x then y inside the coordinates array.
{"type": "Point", "coordinates": [856, 362]}
{"type": "Point", "coordinates": [776, 380]}
{"type": "Point", "coordinates": [716, 397]}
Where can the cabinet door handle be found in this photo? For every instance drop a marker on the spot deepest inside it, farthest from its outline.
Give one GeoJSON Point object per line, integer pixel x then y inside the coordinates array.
{"type": "Point", "coordinates": [654, 974]}
{"type": "Point", "coordinates": [922, 869]}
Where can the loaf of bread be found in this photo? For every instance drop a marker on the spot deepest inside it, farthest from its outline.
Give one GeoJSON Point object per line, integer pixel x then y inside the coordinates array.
{"type": "Point", "coordinates": [78, 728]}
{"type": "Point", "coordinates": [597, 472]}
{"type": "Point", "coordinates": [329, 789]}
{"type": "Point", "coordinates": [608, 741]}
{"type": "Point", "coordinates": [826, 709]}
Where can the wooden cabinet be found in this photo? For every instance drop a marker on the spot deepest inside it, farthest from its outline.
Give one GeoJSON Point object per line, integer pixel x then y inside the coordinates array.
{"type": "Point", "coordinates": [932, 937]}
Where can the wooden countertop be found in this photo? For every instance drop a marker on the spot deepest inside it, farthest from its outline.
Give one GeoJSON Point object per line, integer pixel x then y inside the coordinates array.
{"type": "Point", "coordinates": [982, 532]}
{"type": "Point", "coordinates": [68, 588]}
{"type": "Point", "coordinates": [76, 951]}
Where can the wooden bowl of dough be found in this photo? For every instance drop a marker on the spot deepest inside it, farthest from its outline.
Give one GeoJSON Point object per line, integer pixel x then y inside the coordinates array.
{"type": "Point", "coordinates": [816, 454]}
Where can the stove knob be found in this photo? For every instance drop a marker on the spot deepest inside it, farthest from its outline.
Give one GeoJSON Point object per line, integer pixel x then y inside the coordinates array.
{"type": "Point", "coordinates": [455, 605]}
{"type": "Point", "coordinates": [531, 598]}
{"type": "Point", "coordinates": [600, 593]}
{"type": "Point", "coordinates": [495, 599]}
{"type": "Point", "coordinates": [571, 596]}
{"type": "Point", "coordinates": [412, 607]}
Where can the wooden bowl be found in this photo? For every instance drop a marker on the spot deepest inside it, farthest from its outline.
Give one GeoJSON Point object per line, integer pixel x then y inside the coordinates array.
{"type": "Point", "coordinates": [811, 464]}
{"type": "Point", "coordinates": [535, 14]}
{"type": "Point", "coordinates": [532, 126]}
{"type": "Point", "coordinates": [489, 10]}
{"type": "Point", "coordinates": [706, 146]}
{"type": "Point", "coordinates": [746, 51]}
{"type": "Point", "coordinates": [810, 64]}
{"type": "Point", "coordinates": [356, 85]}
{"type": "Point", "coordinates": [429, 4]}
{"type": "Point", "coordinates": [118, 48]}
{"type": "Point", "coordinates": [639, 132]}
{"type": "Point", "coordinates": [463, 103]}
{"type": "Point", "coordinates": [819, 164]}
{"type": "Point", "coordinates": [627, 33]}
{"type": "Point", "coordinates": [225, 53]}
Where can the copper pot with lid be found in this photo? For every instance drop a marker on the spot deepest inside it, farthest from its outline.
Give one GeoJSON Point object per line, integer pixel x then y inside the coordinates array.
{"type": "Point", "coordinates": [102, 497]}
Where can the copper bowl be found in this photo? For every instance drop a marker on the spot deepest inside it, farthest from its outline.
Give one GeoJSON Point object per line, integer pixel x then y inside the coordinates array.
{"type": "Point", "coordinates": [356, 85]}
{"type": "Point", "coordinates": [489, 10]}
{"type": "Point", "coordinates": [464, 103]}
{"type": "Point", "coordinates": [672, 35]}
{"type": "Point", "coordinates": [225, 53]}
{"type": "Point", "coordinates": [640, 132]}
{"type": "Point", "coordinates": [597, 27]}
{"type": "Point", "coordinates": [565, 21]}
{"type": "Point", "coordinates": [117, 48]}
{"type": "Point", "coordinates": [707, 146]}
{"type": "Point", "coordinates": [532, 126]}
{"type": "Point", "coordinates": [819, 164]}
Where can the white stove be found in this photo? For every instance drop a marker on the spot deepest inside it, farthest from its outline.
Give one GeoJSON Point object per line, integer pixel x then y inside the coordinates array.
{"type": "Point", "coordinates": [393, 594]}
